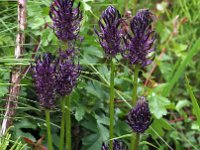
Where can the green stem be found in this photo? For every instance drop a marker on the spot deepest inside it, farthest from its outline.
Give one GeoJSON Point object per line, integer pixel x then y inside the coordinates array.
{"type": "Point", "coordinates": [50, 146]}
{"type": "Point", "coordinates": [126, 6]}
{"type": "Point", "coordinates": [135, 85]}
{"type": "Point", "coordinates": [137, 140]}
{"type": "Point", "coordinates": [112, 94]}
{"type": "Point", "coordinates": [62, 131]}
{"type": "Point", "coordinates": [68, 123]}
{"type": "Point", "coordinates": [134, 5]}
{"type": "Point", "coordinates": [134, 99]}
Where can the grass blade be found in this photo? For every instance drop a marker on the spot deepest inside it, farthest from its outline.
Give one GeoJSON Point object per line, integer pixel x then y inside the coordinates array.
{"type": "Point", "coordinates": [181, 68]}
{"type": "Point", "coordinates": [194, 101]}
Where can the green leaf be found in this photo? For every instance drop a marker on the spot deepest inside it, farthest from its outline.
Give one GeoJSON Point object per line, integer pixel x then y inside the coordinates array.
{"type": "Point", "coordinates": [102, 119]}
{"type": "Point", "coordinates": [86, 6]}
{"type": "Point", "coordinates": [104, 132]}
{"type": "Point", "coordinates": [148, 143]}
{"type": "Point", "coordinates": [158, 105]}
{"type": "Point", "coordinates": [181, 68]}
{"type": "Point", "coordinates": [90, 124]}
{"type": "Point", "coordinates": [97, 145]}
{"type": "Point", "coordinates": [3, 90]}
{"type": "Point", "coordinates": [194, 101]}
{"type": "Point", "coordinates": [80, 112]}
{"type": "Point", "coordinates": [95, 89]}
{"type": "Point", "coordinates": [24, 124]}
{"type": "Point", "coordinates": [89, 139]}
{"type": "Point", "coordinates": [181, 104]}
{"type": "Point", "coordinates": [179, 49]}
{"type": "Point", "coordinates": [92, 142]}
{"type": "Point", "coordinates": [195, 126]}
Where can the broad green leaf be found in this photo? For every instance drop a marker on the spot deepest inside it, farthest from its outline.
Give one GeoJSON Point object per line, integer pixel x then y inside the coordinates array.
{"type": "Point", "coordinates": [92, 142]}
{"type": "Point", "coordinates": [89, 139]}
{"type": "Point", "coordinates": [90, 124]}
{"type": "Point", "coordinates": [158, 105]}
{"type": "Point", "coordinates": [97, 145]}
{"type": "Point", "coordinates": [103, 131]}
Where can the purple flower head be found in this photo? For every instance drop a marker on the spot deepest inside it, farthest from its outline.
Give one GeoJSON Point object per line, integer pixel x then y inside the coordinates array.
{"type": "Point", "coordinates": [116, 146]}
{"type": "Point", "coordinates": [139, 118]}
{"type": "Point", "coordinates": [110, 34]}
{"type": "Point", "coordinates": [141, 43]}
{"type": "Point", "coordinates": [44, 77]}
{"type": "Point", "coordinates": [66, 19]}
{"type": "Point", "coordinates": [67, 72]}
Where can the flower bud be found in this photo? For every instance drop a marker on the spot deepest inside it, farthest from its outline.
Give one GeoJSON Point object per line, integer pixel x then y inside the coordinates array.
{"type": "Point", "coordinates": [139, 118]}
{"type": "Point", "coordinates": [66, 19]}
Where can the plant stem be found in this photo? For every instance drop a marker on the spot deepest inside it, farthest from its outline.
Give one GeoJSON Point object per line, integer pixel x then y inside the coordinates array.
{"type": "Point", "coordinates": [135, 86]}
{"type": "Point", "coordinates": [112, 94]}
{"type": "Point", "coordinates": [134, 99]}
{"type": "Point", "coordinates": [62, 131]}
{"type": "Point", "coordinates": [68, 123]}
{"type": "Point", "coordinates": [137, 140]}
{"type": "Point", "coordinates": [50, 146]}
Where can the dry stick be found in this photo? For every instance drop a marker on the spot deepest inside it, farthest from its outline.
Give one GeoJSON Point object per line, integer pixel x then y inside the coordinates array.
{"type": "Point", "coordinates": [14, 88]}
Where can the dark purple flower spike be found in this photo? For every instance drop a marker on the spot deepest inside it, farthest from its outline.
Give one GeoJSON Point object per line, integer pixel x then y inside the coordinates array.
{"type": "Point", "coordinates": [139, 118]}
{"type": "Point", "coordinates": [110, 34]}
{"type": "Point", "coordinates": [66, 19]}
{"type": "Point", "coordinates": [141, 43]}
{"type": "Point", "coordinates": [44, 78]}
{"type": "Point", "coordinates": [116, 146]}
{"type": "Point", "coordinates": [67, 72]}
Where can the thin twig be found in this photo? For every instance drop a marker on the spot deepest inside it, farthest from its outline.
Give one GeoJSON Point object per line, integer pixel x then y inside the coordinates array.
{"type": "Point", "coordinates": [14, 88]}
{"type": "Point", "coordinates": [26, 70]}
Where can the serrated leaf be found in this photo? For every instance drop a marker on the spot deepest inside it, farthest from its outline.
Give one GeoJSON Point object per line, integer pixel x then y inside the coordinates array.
{"type": "Point", "coordinates": [158, 105]}
{"type": "Point", "coordinates": [95, 89]}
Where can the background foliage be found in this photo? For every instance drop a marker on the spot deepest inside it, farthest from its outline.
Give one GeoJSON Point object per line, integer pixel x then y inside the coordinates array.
{"type": "Point", "coordinates": [172, 103]}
